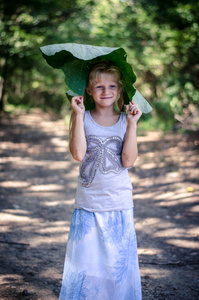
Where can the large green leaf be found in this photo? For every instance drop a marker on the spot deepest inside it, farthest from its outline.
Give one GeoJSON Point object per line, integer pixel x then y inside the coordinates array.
{"type": "Point", "coordinates": [75, 60]}
{"type": "Point", "coordinates": [141, 102]}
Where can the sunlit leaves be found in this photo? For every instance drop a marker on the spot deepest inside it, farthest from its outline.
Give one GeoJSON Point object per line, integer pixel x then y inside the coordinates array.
{"type": "Point", "coordinates": [161, 39]}
{"type": "Point", "coordinates": [76, 59]}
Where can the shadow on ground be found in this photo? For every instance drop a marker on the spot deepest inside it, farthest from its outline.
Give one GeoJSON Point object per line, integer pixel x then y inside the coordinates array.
{"type": "Point", "coordinates": [38, 184]}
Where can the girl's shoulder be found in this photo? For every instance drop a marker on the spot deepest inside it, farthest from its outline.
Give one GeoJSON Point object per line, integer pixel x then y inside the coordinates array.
{"type": "Point", "coordinates": [86, 113]}
{"type": "Point", "coordinates": [123, 116]}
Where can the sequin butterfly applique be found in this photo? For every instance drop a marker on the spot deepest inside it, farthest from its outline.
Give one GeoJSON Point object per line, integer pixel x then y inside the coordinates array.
{"type": "Point", "coordinates": [103, 154]}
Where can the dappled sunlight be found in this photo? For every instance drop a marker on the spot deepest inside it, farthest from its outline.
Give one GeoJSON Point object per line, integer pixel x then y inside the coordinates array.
{"type": "Point", "coordinates": [149, 165]}
{"type": "Point", "coordinates": [53, 234]}
{"type": "Point", "coordinates": [59, 143]}
{"type": "Point", "coordinates": [72, 185]}
{"type": "Point", "coordinates": [32, 162]}
{"type": "Point", "coordinates": [194, 209]}
{"type": "Point", "coordinates": [166, 195]}
{"type": "Point", "coordinates": [169, 231]}
{"type": "Point", "coordinates": [42, 232]}
{"type": "Point", "coordinates": [147, 221]}
{"type": "Point", "coordinates": [142, 195]}
{"type": "Point", "coordinates": [182, 199]}
{"type": "Point", "coordinates": [183, 243]}
{"type": "Point", "coordinates": [149, 251]}
{"type": "Point", "coordinates": [46, 188]}
{"type": "Point", "coordinates": [14, 184]}
{"type": "Point", "coordinates": [63, 165]}
{"type": "Point", "coordinates": [154, 273]}
{"type": "Point", "coordinates": [63, 196]}
{"type": "Point", "coordinates": [54, 227]}
{"type": "Point", "coordinates": [39, 241]}
{"type": "Point", "coordinates": [173, 175]}
{"type": "Point", "coordinates": [151, 136]}
{"type": "Point", "coordinates": [55, 203]}
{"type": "Point", "coordinates": [9, 279]}
{"type": "Point", "coordinates": [12, 215]}
{"type": "Point", "coordinates": [48, 272]}
{"type": "Point", "coordinates": [38, 184]}
{"type": "Point", "coordinates": [193, 231]}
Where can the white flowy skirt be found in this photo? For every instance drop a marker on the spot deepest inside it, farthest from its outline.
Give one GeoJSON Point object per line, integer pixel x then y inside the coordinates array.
{"type": "Point", "coordinates": [101, 259]}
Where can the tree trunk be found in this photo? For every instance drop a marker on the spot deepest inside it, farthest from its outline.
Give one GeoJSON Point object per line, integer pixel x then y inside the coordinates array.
{"type": "Point", "coordinates": [3, 82]}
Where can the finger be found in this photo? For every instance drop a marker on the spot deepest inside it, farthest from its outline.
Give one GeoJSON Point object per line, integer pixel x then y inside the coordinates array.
{"type": "Point", "coordinates": [133, 107]}
{"type": "Point", "coordinates": [81, 99]}
{"type": "Point", "coordinates": [77, 100]}
{"type": "Point", "coordinates": [133, 104]}
{"type": "Point", "coordinates": [134, 111]}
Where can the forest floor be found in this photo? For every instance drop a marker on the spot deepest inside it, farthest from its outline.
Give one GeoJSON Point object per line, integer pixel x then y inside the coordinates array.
{"type": "Point", "coordinates": [38, 183]}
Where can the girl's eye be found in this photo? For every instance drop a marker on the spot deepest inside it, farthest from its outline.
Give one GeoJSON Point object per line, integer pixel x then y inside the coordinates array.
{"type": "Point", "coordinates": [113, 86]}
{"type": "Point", "coordinates": [98, 87]}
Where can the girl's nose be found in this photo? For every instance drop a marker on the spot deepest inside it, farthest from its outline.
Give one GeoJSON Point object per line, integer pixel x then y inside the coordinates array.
{"type": "Point", "coordinates": [105, 90]}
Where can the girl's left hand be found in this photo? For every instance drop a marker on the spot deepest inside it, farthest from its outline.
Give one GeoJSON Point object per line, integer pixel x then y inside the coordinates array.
{"type": "Point", "coordinates": [134, 113]}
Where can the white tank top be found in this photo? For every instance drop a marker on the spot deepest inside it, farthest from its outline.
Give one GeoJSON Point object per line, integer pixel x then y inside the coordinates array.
{"type": "Point", "coordinates": [103, 182]}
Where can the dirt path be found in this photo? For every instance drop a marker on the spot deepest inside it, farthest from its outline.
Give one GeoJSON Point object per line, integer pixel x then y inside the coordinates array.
{"type": "Point", "coordinates": [37, 187]}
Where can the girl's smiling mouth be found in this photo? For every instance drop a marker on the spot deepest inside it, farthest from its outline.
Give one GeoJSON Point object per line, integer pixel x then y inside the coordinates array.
{"type": "Point", "coordinates": [107, 97]}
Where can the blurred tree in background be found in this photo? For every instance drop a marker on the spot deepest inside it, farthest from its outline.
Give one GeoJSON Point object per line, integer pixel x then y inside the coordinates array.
{"type": "Point", "coordinates": [161, 40]}
{"type": "Point", "coordinates": [178, 39]}
{"type": "Point", "coordinates": [24, 27]}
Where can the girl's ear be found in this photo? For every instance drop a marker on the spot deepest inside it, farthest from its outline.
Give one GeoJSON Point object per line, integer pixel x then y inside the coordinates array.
{"type": "Point", "coordinates": [88, 90]}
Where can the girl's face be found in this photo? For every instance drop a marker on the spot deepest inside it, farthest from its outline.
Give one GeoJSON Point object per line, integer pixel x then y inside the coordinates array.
{"type": "Point", "coordinates": [104, 91]}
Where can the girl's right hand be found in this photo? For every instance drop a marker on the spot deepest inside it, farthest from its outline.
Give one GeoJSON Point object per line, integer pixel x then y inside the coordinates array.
{"type": "Point", "coordinates": [77, 104]}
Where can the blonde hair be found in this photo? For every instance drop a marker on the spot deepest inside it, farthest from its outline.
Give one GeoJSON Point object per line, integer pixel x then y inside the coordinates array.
{"type": "Point", "coordinates": [106, 67]}
{"type": "Point", "coordinates": [97, 70]}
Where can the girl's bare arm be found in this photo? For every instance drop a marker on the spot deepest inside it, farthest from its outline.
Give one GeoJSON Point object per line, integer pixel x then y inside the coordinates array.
{"type": "Point", "coordinates": [130, 150]}
{"type": "Point", "coordinates": [77, 143]}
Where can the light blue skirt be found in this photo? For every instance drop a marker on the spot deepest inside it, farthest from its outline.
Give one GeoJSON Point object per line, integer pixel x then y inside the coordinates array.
{"type": "Point", "coordinates": [101, 259]}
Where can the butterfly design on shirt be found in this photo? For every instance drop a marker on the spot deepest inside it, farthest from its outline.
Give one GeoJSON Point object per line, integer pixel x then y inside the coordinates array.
{"type": "Point", "coordinates": [105, 155]}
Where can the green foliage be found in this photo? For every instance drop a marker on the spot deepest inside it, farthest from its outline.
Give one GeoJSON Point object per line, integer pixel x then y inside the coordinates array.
{"type": "Point", "coordinates": [75, 60]}
{"type": "Point", "coordinates": [24, 27]}
{"type": "Point", "coordinates": [161, 39]}
{"type": "Point", "coordinates": [178, 83]}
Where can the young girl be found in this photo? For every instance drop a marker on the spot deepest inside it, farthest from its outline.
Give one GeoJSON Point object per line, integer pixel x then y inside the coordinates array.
{"type": "Point", "coordinates": [101, 259]}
